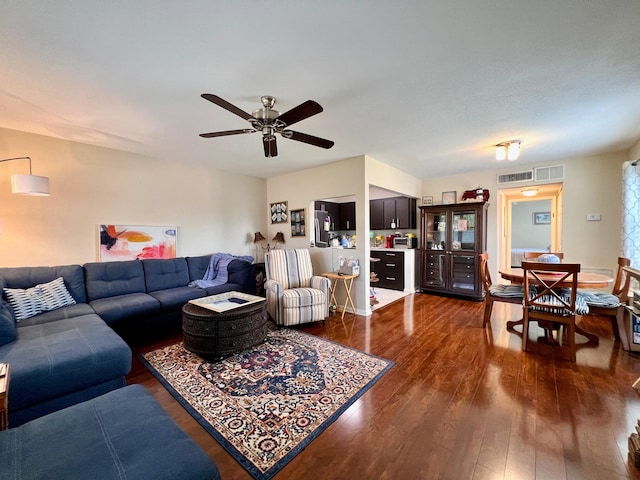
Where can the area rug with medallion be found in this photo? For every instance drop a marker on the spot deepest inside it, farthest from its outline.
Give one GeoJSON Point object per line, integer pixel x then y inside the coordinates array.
{"type": "Point", "coordinates": [266, 404]}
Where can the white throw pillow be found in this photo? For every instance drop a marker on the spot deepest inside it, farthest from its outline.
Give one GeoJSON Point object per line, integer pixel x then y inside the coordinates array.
{"type": "Point", "coordinates": [41, 298]}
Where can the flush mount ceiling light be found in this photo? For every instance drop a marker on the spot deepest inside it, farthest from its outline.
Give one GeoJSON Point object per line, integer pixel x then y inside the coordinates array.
{"type": "Point", "coordinates": [530, 192]}
{"type": "Point", "coordinates": [28, 184]}
{"type": "Point", "coordinates": [508, 150]}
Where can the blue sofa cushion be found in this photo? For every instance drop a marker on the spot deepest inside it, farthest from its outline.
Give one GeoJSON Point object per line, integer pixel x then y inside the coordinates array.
{"type": "Point", "coordinates": [71, 311]}
{"type": "Point", "coordinates": [53, 359]}
{"type": "Point", "coordinates": [122, 307]}
{"type": "Point", "coordinates": [7, 324]}
{"type": "Point", "coordinates": [109, 279]}
{"type": "Point", "coordinates": [241, 274]}
{"type": "Point", "coordinates": [122, 434]}
{"type": "Point", "coordinates": [197, 266]}
{"type": "Point", "coordinates": [175, 298]}
{"type": "Point", "coordinates": [27, 277]}
{"type": "Point", "coordinates": [161, 274]}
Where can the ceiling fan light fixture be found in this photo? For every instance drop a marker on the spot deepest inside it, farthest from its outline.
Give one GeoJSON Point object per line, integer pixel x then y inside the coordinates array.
{"type": "Point", "coordinates": [501, 152]}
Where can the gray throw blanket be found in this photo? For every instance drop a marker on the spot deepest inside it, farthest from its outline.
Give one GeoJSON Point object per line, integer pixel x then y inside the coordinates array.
{"type": "Point", "coordinates": [217, 273]}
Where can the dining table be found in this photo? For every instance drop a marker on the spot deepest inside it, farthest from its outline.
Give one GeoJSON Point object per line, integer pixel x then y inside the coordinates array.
{"type": "Point", "coordinates": [585, 280]}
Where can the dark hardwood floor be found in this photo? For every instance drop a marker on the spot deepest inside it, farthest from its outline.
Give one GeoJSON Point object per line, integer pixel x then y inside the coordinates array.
{"type": "Point", "coordinates": [462, 402]}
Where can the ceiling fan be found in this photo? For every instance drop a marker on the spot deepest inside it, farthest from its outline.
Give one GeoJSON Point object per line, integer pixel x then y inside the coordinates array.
{"type": "Point", "coordinates": [269, 122]}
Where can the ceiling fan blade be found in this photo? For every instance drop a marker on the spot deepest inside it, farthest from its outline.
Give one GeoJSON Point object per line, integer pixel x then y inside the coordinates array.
{"type": "Point", "coordinates": [226, 132]}
{"type": "Point", "coordinates": [310, 139]}
{"type": "Point", "coordinates": [302, 111]}
{"type": "Point", "coordinates": [227, 106]}
{"type": "Point", "coordinates": [270, 147]}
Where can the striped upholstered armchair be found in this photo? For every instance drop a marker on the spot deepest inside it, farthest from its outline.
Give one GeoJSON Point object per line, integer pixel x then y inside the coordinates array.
{"type": "Point", "coordinates": [294, 294]}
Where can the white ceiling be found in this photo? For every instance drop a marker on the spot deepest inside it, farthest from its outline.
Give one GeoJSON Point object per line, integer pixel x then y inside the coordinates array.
{"type": "Point", "coordinates": [426, 86]}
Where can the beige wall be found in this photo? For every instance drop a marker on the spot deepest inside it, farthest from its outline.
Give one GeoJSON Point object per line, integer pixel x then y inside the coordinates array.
{"type": "Point", "coordinates": [591, 185]}
{"type": "Point", "coordinates": [214, 211]}
{"type": "Point", "coordinates": [350, 177]}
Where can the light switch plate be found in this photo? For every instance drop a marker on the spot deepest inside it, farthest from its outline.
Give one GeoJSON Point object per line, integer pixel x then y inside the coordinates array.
{"type": "Point", "coordinates": [593, 217]}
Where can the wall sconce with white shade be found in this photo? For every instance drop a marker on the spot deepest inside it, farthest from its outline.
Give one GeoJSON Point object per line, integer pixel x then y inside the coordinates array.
{"type": "Point", "coordinates": [28, 184]}
{"type": "Point", "coordinates": [508, 150]}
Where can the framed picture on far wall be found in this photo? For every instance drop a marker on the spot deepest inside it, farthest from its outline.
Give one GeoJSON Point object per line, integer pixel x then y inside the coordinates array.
{"type": "Point", "coordinates": [541, 218]}
{"type": "Point", "coordinates": [298, 223]}
{"type": "Point", "coordinates": [448, 198]}
{"type": "Point", "coordinates": [427, 201]}
{"type": "Point", "coordinates": [279, 213]}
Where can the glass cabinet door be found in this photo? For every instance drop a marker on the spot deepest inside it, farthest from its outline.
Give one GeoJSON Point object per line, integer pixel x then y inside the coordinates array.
{"type": "Point", "coordinates": [436, 231]}
{"type": "Point", "coordinates": [464, 231]}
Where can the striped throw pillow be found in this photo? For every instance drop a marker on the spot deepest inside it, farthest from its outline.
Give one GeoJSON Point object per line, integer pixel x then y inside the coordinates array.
{"type": "Point", "coordinates": [41, 298]}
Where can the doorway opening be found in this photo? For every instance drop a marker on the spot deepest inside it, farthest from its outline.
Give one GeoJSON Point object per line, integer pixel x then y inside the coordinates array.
{"type": "Point", "coordinates": [529, 223]}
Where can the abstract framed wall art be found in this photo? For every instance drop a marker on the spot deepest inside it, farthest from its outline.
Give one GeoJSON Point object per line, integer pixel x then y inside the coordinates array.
{"type": "Point", "coordinates": [129, 242]}
{"type": "Point", "coordinates": [278, 212]}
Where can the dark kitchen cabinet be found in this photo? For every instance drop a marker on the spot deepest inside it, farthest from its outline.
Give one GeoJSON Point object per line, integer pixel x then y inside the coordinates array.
{"type": "Point", "coordinates": [395, 213]}
{"type": "Point", "coordinates": [376, 215]}
{"type": "Point", "coordinates": [451, 238]}
{"type": "Point", "coordinates": [347, 216]}
{"type": "Point", "coordinates": [333, 209]}
{"type": "Point", "coordinates": [389, 270]}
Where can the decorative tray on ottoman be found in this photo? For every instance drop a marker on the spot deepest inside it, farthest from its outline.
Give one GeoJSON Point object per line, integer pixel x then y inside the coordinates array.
{"type": "Point", "coordinates": [226, 301]}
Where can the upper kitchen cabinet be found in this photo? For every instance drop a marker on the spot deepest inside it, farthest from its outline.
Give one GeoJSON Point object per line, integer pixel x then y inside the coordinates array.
{"type": "Point", "coordinates": [395, 213]}
{"type": "Point", "coordinates": [333, 211]}
{"type": "Point", "coordinates": [347, 216]}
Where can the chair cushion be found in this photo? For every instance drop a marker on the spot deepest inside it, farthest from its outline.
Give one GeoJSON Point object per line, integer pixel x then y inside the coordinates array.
{"type": "Point", "coordinates": [509, 291]}
{"type": "Point", "coordinates": [548, 258]}
{"type": "Point", "coordinates": [600, 299]}
{"type": "Point", "coordinates": [302, 297]}
{"type": "Point", "coordinates": [581, 305]}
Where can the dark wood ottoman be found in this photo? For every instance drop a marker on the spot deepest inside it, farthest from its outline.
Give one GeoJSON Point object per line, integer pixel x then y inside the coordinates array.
{"type": "Point", "coordinates": [213, 335]}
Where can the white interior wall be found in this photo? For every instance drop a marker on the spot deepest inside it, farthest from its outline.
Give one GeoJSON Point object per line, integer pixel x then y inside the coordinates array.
{"type": "Point", "coordinates": [213, 210]}
{"type": "Point", "coordinates": [524, 234]}
{"type": "Point", "coordinates": [591, 185]}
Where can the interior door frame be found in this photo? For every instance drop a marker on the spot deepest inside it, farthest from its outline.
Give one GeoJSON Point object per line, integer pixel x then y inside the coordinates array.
{"type": "Point", "coordinates": [506, 198]}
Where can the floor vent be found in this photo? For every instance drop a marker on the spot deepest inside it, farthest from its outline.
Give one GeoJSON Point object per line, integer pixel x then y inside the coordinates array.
{"type": "Point", "coordinates": [555, 172]}
{"type": "Point", "coordinates": [516, 177]}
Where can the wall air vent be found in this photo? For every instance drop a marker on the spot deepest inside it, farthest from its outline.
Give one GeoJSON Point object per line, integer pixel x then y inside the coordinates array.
{"type": "Point", "coordinates": [555, 172]}
{"type": "Point", "coordinates": [516, 177]}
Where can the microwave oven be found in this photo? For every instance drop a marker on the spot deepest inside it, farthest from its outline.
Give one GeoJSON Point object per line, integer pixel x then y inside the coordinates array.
{"type": "Point", "coordinates": [405, 242]}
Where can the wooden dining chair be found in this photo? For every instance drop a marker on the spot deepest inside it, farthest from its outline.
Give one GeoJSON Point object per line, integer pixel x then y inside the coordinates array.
{"type": "Point", "coordinates": [552, 301]}
{"type": "Point", "coordinates": [496, 292]}
{"type": "Point", "coordinates": [611, 304]}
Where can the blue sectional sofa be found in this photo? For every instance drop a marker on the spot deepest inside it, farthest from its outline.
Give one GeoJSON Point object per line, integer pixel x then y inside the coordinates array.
{"type": "Point", "coordinates": [75, 352]}
{"type": "Point", "coordinates": [122, 434]}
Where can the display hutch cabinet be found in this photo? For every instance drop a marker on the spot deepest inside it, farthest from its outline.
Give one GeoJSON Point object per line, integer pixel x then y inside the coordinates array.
{"type": "Point", "coordinates": [451, 238]}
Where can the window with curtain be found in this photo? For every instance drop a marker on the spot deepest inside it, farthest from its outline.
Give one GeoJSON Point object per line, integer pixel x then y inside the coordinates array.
{"type": "Point", "coordinates": [631, 212]}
